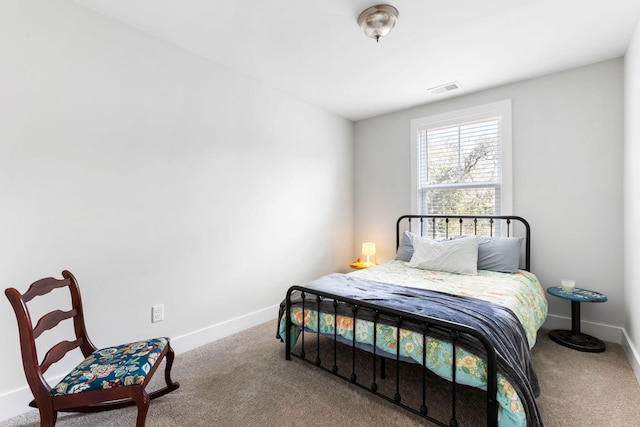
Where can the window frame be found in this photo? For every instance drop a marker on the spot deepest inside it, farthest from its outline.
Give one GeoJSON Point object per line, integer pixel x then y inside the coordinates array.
{"type": "Point", "coordinates": [452, 118]}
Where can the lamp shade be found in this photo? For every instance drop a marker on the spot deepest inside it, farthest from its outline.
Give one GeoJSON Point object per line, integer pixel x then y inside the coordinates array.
{"type": "Point", "coordinates": [368, 249]}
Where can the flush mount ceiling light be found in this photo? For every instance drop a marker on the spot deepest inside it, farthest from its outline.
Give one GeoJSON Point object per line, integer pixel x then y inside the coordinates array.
{"type": "Point", "coordinates": [377, 21]}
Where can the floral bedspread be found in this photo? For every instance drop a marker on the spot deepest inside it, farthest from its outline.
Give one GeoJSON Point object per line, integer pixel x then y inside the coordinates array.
{"type": "Point", "coordinates": [520, 292]}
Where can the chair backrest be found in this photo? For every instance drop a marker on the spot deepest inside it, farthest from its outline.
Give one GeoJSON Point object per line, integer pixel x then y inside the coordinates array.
{"type": "Point", "coordinates": [33, 369]}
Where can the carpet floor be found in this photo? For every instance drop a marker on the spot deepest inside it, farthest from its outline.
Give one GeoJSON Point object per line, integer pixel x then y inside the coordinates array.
{"type": "Point", "coordinates": [243, 380]}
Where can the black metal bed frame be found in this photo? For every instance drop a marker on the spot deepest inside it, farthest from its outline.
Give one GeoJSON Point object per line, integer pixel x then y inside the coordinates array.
{"type": "Point", "coordinates": [425, 323]}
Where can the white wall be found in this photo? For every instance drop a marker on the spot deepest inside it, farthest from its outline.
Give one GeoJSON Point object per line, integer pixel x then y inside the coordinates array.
{"type": "Point", "coordinates": [156, 177]}
{"type": "Point", "coordinates": [632, 198]}
{"type": "Point", "coordinates": [567, 180]}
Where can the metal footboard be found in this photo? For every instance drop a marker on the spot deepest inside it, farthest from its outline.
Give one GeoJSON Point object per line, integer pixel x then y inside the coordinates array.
{"type": "Point", "coordinates": [311, 300]}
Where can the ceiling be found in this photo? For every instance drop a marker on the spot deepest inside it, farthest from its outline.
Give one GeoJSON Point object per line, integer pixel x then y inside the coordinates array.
{"type": "Point", "coordinates": [315, 51]}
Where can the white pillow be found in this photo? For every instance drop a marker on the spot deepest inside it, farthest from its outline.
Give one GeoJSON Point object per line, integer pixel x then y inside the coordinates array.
{"type": "Point", "coordinates": [453, 256]}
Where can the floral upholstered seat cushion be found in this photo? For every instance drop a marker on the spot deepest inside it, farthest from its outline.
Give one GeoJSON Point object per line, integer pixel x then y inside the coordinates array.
{"type": "Point", "coordinates": [112, 367]}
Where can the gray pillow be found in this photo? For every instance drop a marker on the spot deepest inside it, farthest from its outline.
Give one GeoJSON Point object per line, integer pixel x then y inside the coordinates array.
{"type": "Point", "coordinates": [500, 254]}
{"type": "Point", "coordinates": [405, 250]}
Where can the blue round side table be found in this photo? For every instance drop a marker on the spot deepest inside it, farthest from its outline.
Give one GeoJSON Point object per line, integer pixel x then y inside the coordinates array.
{"type": "Point", "coordinates": [574, 338]}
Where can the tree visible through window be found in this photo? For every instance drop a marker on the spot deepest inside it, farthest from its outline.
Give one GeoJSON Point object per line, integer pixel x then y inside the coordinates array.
{"type": "Point", "coordinates": [460, 162]}
{"type": "Point", "coordinates": [459, 169]}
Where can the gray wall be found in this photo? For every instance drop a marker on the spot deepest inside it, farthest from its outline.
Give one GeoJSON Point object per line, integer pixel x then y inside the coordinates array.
{"type": "Point", "coordinates": [567, 178]}
{"type": "Point", "coordinates": [157, 178]}
{"type": "Point", "coordinates": [632, 196]}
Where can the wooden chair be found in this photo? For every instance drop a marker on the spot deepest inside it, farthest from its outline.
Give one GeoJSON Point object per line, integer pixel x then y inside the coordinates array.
{"type": "Point", "coordinates": [109, 378]}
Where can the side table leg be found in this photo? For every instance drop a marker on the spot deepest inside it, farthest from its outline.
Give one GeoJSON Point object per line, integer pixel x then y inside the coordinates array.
{"type": "Point", "coordinates": [574, 338]}
{"type": "Point", "coordinates": [575, 317]}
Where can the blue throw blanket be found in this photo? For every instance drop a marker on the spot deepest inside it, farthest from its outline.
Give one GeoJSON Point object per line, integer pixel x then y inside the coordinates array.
{"type": "Point", "coordinates": [499, 324]}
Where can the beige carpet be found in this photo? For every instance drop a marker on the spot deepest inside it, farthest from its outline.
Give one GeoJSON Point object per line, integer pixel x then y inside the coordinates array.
{"type": "Point", "coordinates": [243, 380]}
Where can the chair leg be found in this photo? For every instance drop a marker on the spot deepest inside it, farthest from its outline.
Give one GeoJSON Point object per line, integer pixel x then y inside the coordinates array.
{"type": "Point", "coordinates": [142, 402]}
{"type": "Point", "coordinates": [171, 385]}
{"type": "Point", "coordinates": [169, 363]}
{"type": "Point", "coordinates": [48, 416]}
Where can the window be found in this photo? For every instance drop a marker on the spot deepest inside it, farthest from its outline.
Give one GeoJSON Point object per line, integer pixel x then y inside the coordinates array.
{"type": "Point", "coordinates": [461, 161]}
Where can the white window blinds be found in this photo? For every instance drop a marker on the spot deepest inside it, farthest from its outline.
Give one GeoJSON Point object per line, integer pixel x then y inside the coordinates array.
{"type": "Point", "coordinates": [459, 164]}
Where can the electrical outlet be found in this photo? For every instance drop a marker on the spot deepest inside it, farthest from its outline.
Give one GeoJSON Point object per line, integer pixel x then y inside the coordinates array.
{"type": "Point", "coordinates": [157, 313]}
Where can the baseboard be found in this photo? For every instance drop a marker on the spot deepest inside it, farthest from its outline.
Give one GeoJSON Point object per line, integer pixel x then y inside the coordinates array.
{"type": "Point", "coordinates": [14, 403]}
{"type": "Point", "coordinates": [632, 354]}
{"type": "Point", "coordinates": [223, 329]}
{"type": "Point", "coordinates": [599, 330]}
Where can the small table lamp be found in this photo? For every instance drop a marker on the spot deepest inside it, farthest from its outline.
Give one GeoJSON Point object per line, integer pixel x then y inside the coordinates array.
{"type": "Point", "coordinates": [368, 251]}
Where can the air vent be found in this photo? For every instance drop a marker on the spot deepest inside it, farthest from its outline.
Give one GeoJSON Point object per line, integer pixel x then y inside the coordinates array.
{"type": "Point", "coordinates": [447, 87]}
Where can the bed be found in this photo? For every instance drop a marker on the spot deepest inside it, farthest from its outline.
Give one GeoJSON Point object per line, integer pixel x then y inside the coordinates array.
{"type": "Point", "coordinates": [460, 285]}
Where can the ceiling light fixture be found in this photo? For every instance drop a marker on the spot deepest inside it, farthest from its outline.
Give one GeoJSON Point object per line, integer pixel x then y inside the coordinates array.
{"type": "Point", "coordinates": [377, 21]}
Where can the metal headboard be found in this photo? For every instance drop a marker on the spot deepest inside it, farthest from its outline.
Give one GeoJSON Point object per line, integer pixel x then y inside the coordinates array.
{"type": "Point", "coordinates": [445, 226]}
